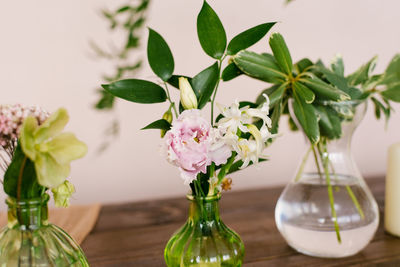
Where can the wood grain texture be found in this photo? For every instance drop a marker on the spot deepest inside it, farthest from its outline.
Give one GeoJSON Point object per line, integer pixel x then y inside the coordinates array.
{"type": "Point", "coordinates": [77, 221]}
{"type": "Point", "coordinates": [135, 234]}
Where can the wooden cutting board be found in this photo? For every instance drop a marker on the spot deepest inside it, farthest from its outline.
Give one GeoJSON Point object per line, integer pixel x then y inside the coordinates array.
{"type": "Point", "coordinates": [77, 220]}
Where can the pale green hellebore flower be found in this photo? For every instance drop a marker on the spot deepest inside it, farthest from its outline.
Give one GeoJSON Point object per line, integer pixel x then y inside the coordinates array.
{"type": "Point", "coordinates": [50, 150]}
{"type": "Point", "coordinates": [188, 98]}
{"type": "Point", "coordinates": [62, 193]}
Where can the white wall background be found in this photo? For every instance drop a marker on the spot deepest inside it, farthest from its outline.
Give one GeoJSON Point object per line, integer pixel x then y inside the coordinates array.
{"type": "Point", "coordinates": [45, 59]}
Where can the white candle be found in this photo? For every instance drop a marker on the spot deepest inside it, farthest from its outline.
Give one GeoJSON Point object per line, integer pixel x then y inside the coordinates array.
{"type": "Point", "coordinates": [392, 195]}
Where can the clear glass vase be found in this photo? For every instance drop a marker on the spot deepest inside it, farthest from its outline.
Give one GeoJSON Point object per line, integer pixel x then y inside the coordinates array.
{"type": "Point", "coordinates": [327, 210]}
{"type": "Point", "coordinates": [30, 241]}
{"type": "Point", "coordinates": [204, 240]}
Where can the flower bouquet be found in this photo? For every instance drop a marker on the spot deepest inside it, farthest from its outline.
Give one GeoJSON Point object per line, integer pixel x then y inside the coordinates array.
{"type": "Point", "coordinates": [205, 151]}
{"type": "Point", "coordinates": [327, 210]}
{"type": "Point", "coordinates": [36, 158]}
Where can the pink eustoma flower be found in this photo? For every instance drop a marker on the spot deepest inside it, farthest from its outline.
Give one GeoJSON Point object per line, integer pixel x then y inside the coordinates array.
{"type": "Point", "coordinates": [192, 145]}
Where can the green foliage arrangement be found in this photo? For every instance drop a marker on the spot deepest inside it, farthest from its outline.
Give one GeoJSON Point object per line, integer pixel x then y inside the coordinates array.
{"type": "Point", "coordinates": [196, 93]}
{"type": "Point", "coordinates": [322, 97]}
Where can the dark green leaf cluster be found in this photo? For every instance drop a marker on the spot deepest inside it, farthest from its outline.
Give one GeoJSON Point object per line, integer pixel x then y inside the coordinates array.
{"type": "Point", "coordinates": [320, 97]}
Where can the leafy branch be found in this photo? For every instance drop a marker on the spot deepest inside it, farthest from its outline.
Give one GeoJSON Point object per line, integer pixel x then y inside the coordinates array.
{"type": "Point", "coordinates": [213, 40]}
{"type": "Point", "coordinates": [322, 98]}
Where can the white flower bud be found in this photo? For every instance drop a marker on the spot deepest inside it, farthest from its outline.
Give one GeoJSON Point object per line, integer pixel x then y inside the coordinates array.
{"type": "Point", "coordinates": [188, 97]}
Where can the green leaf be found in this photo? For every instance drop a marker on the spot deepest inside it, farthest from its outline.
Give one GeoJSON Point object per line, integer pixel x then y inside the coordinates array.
{"type": "Point", "coordinates": [392, 72]}
{"type": "Point", "coordinates": [258, 66]}
{"type": "Point", "coordinates": [248, 38]}
{"type": "Point", "coordinates": [330, 122]}
{"type": "Point", "coordinates": [393, 93]}
{"type": "Point", "coordinates": [324, 90]}
{"type": "Point", "coordinates": [303, 65]}
{"type": "Point", "coordinates": [123, 9]}
{"type": "Point", "coordinates": [159, 124]}
{"type": "Point", "coordinates": [159, 56]}
{"type": "Point", "coordinates": [261, 99]}
{"type": "Point", "coordinates": [139, 91]}
{"type": "Point", "coordinates": [204, 84]}
{"type": "Point", "coordinates": [174, 80]}
{"type": "Point", "coordinates": [211, 32]}
{"type": "Point", "coordinates": [230, 72]}
{"type": "Point", "coordinates": [275, 93]}
{"type": "Point", "coordinates": [249, 104]}
{"type": "Point", "coordinates": [337, 65]}
{"type": "Point", "coordinates": [281, 53]}
{"type": "Point", "coordinates": [106, 100]}
{"type": "Point", "coordinates": [236, 166]}
{"type": "Point", "coordinates": [276, 116]}
{"type": "Point", "coordinates": [292, 125]}
{"type": "Point", "coordinates": [307, 117]}
{"type": "Point", "coordinates": [378, 107]}
{"type": "Point", "coordinates": [341, 83]}
{"type": "Point", "coordinates": [21, 164]}
{"type": "Point", "coordinates": [181, 108]}
{"type": "Point", "coordinates": [373, 82]}
{"type": "Point", "coordinates": [304, 92]}
{"type": "Point", "coordinates": [345, 109]}
{"type": "Point", "coordinates": [381, 107]}
{"type": "Point", "coordinates": [362, 74]}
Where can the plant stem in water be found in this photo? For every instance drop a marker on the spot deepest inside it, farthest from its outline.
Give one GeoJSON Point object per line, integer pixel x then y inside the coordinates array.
{"type": "Point", "coordinates": [351, 194]}
{"type": "Point", "coordinates": [355, 201]}
{"type": "Point", "coordinates": [317, 162]}
{"type": "Point", "coordinates": [331, 197]}
{"type": "Point", "coordinates": [303, 163]}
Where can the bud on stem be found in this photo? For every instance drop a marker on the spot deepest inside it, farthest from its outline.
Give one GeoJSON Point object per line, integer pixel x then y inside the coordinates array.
{"type": "Point", "coordinates": [188, 97]}
{"type": "Point", "coordinates": [168, 117]}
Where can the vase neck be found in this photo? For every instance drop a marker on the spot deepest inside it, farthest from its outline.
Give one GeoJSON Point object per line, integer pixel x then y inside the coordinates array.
{"type": "Point", "coordinates": [27, 214]}
{"type": "Point", "coordinates": [204, 208]}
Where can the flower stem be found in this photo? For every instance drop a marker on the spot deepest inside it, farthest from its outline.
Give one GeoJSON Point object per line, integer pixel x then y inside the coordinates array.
{"type": "Point", "coordinates": [330, 193]}
{"type": "Point", "coordinates": [170, 100]}
{"type": "Point", "coordinates": [355, 201]}
{"type": "Point", "coordinates": [351, 195]}
{"type": "Point", "coordinates": [317, 162]}
{"type": "Point", "coordinates": [216, 89]}
{"type": "Point", "coordinates": [303, 163]}
{"type": "Point", "coordinates": [226, 167]}
{"type": "Point", "coordinates": [19, 184]}
{"type": "Point", "coordinates": [21, 172]}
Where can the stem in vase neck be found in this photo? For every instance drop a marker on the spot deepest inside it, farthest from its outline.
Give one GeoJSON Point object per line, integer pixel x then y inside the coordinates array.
{"type": "Point", "coordinates": [203, 209]}
{"type": "Point", "coordinates": [28, 214]}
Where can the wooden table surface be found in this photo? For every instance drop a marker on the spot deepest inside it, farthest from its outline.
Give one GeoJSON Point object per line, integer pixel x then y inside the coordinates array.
{"type": "Point", "coordinates": [135, 234]}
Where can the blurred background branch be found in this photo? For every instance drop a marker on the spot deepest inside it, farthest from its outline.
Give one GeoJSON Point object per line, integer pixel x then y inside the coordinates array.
{"type": "Point", "coordinates": [128, 19]}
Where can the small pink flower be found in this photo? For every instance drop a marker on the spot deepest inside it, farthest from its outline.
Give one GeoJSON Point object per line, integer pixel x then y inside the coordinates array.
{"type": "Point", "coordinates": [11, 119]}
{"type": "Point", "coordinates": [192, 144]}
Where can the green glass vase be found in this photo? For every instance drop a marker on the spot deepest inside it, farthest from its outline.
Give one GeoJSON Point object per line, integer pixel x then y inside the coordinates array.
{"type": "Point", "coordinates": [204, 240]}
{"type": "Point", "coordinates": [29, 240]}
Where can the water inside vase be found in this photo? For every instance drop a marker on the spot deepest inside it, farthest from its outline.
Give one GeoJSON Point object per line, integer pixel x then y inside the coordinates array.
{"type": "Point", "coordinates": [304, 218]}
